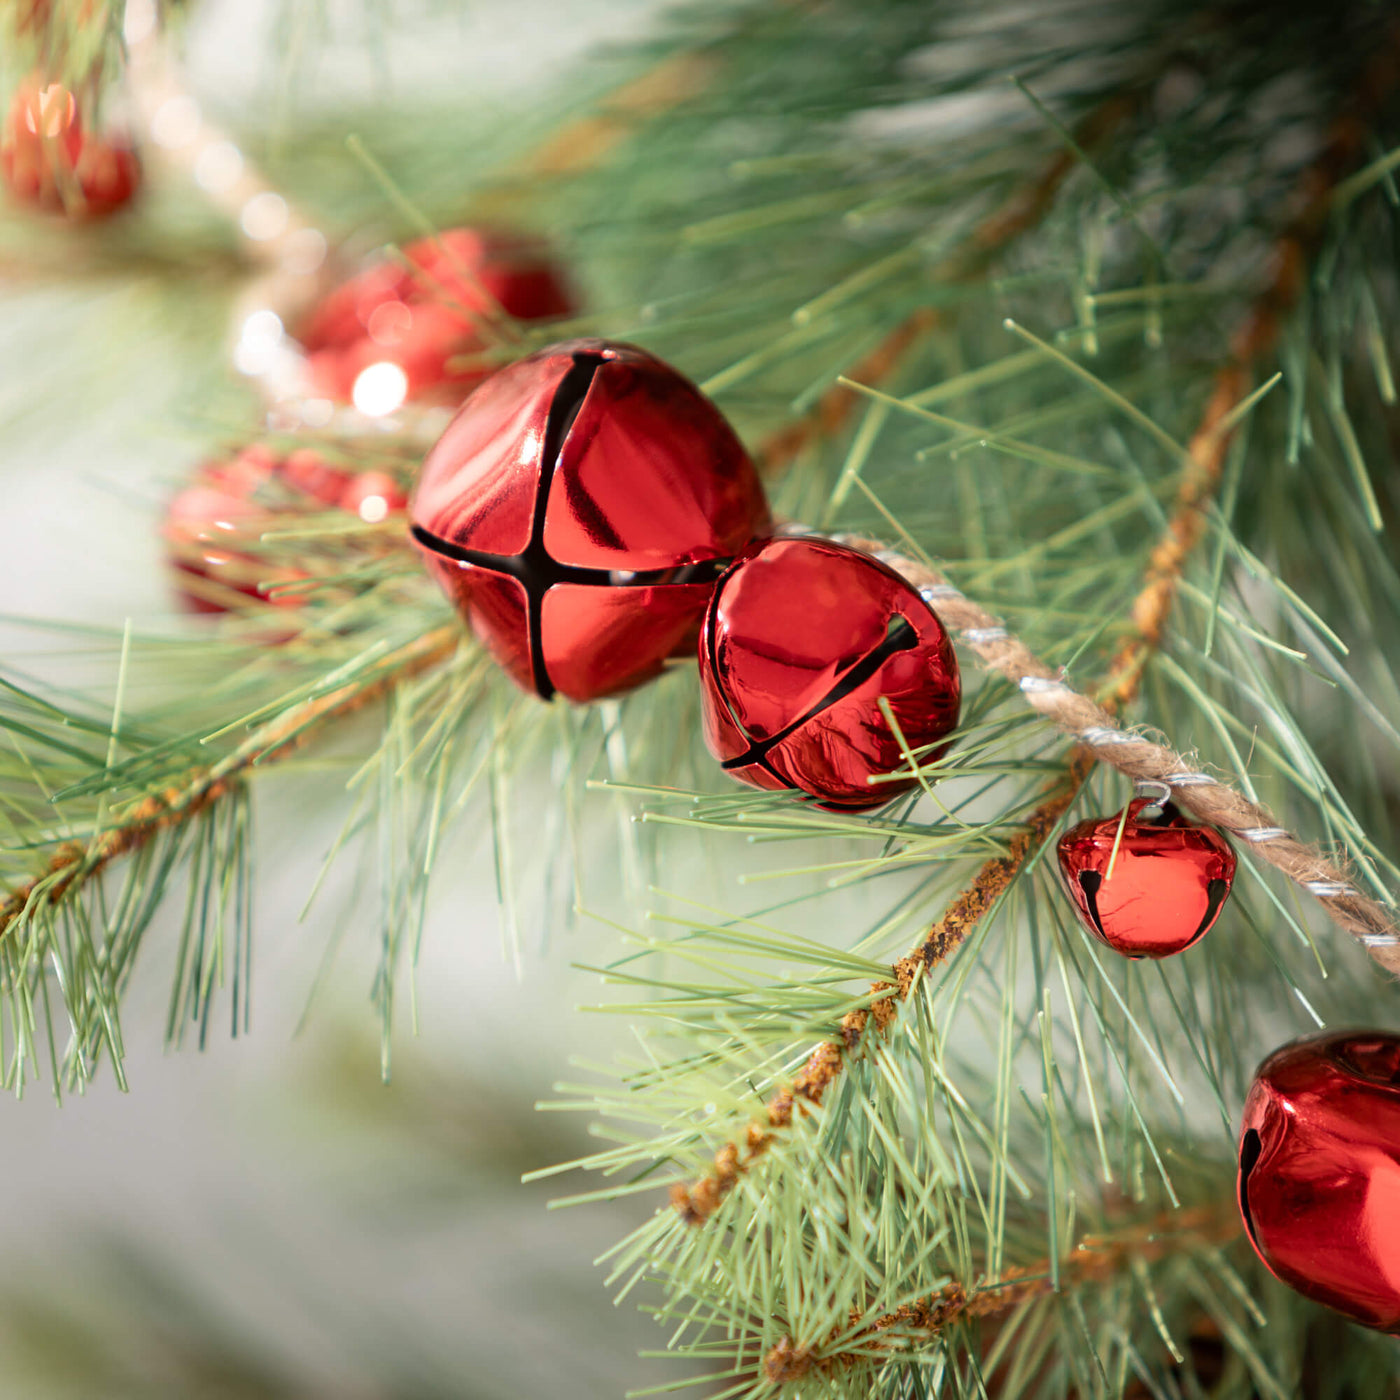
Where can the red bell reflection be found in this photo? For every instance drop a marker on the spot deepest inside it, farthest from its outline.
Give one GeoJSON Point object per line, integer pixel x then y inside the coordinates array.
{"type": "Point", "coordinates": [416, 316]}
{"type": "Point", "coordinates": [577, 511]}
{"type": "Point", "coordinates": [49, 160]}
{"type": "Point", "coordinates": [801, 640]}
{"type": "Point", "coordinates": [1319, 1183]}
{"type": "Point", "coordinates": [211, 526]}
{"type": "Point", "coordinates": [208, 528]}
{"type": "Point", "coordinates": [1159, 891]}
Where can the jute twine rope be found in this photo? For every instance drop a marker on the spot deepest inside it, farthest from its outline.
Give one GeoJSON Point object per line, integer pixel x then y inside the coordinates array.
{"type": "Point", "coordinates": [1370, 922]}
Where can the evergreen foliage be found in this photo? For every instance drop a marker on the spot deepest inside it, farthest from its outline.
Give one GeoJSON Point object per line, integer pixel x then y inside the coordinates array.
{"type": "Point", "coordinates": [1044, 228]}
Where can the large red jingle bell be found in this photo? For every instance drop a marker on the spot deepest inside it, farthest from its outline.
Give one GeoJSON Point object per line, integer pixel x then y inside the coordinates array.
{"type": "Point", "coordinates": [1319, 1180]}
{"type": "Point", "coordinates": [801, 640]}
{"type": "Point", "coordinates": [418, 315]}
{"type": "Point", "coordinates": [577, 511]}
{"type": "Point", "coordinates": [50, 161]}
{"type": "Point", "coordinates": [1148, 888]}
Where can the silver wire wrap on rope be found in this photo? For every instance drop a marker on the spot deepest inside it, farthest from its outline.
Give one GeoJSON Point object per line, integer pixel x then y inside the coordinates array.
{"type": "Point", "coordinates": [1262, 833]}
{"type": "Point", "coordinates": [1100, 736]}
{"type": "Point", "coordinates": [1329, 889]}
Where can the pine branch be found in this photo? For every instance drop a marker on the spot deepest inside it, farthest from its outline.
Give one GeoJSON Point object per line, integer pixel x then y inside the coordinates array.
{"type": "Point", "coordinates": [73, 865]}
{"type": "Point", "coordinates": [1099, 738]}
{"type": "Point", "coordinates": [698, 1202]}
{"type": "Point", "coordinates": [1024, 208]}
{"type": "Point", "coordinates": [1370, 922]}
{"type": "Point", "coordinates": [1256, 339]}
{"type": "Point", "coordinates": [1020, 212]}
{"type": "Point", "coordinates": [1097, 1258]}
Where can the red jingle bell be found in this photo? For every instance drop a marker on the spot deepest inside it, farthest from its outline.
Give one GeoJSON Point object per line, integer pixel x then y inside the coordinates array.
{"type": "Point", "coordinates": [390, 333]}
{"type": "Point", "coordinates": [1153, 890]}
{"type": "Point", "coordinates": [1319, 1182]}
{"type": "Point", "coordinates": [577, 511]}
{"type": "Point", "coordinates": [49, 160]}
{"type": "Point", "coordinates": [801, 639]}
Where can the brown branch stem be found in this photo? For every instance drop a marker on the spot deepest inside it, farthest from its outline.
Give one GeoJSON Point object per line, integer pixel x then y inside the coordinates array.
{"type": "Point", "coordinates": [1097, 1257]}
{"type": "Point", "coordinates": [1256, 337]}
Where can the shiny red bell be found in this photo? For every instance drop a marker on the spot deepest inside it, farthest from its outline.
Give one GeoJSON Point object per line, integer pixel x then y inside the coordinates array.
{"type": "Point", "coordinates": [422, 313]}
{"type": "Point", "coordinates": [49, 160]}
{"type": "Point", "coordinates": [212, 523]}
{"type": "Point", "coordinates": [577, 511]}
{"type": "Point", "coordinates": [1319, 1183]}
{"type": "Point", "coordinates": [801, 640]}
{"type": "Point", "coordinates": [1153, 890]}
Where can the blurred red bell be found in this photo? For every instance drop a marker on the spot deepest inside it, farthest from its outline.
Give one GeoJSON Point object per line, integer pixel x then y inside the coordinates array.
{"type": "Point", "coordinates": [577, 511]}
{"type": "Point", "coordinates": [207, 529]}
{"type": "Point", "coordinates": [801, 640]}
{"type": "Point", "coordinates": [418, 315]}
{"type": "Point", "coordinates": [1153, 891]}
{"type": "Point", "coordinates": [211, 524]}
{"type": "Point", "coordinates": [48, 160]}
{"type": "Point", "coordinates": [373, 496]}
{"type": "Point", "coordinates": [1319, 1181]}
{"type": "Point", "coordinates": [30, 16]}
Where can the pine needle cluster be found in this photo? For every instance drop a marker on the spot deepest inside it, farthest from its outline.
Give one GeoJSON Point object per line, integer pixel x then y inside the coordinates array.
{"type": "Point", "coordinates": [1092, 305]}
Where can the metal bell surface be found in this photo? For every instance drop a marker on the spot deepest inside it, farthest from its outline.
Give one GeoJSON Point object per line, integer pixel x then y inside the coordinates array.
{"type": "Point", "coordinates": [802, 639]}
{"type": "Point", "coordinates": [1319, 1177]}
{"type": "Point", "coordinates": [421, 316]}
{"type": "Point", "coordinates": [50, 160]}
{"type": "Point", "coordinates": [1159, 891]}
{"type": "Point", "coordinates": [577, 512]}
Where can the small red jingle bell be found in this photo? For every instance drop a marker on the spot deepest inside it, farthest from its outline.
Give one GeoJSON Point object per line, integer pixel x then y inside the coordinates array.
{"type": "Point", "coordinates": [1319, 1182]}
{"type": "Point", "coordinates": [577, 511]}
{"type": "Point", "coordinates": [390, 333]}
{"type": "Point", "coordinates": [801, 640]}
{"type": "Point", "coordinates": [50, 161]}
{"type": "Point", "coordinates": [1147, 888]}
